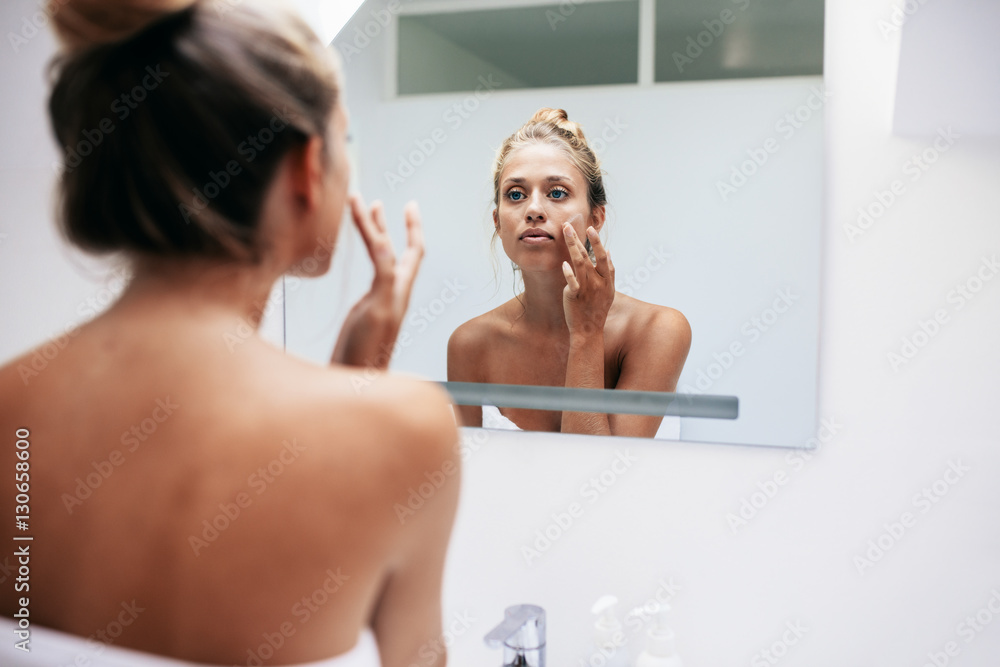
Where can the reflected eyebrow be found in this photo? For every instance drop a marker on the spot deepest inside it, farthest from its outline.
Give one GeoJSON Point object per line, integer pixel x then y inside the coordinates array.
{"type": "Point", "coordinates": [516, 180]}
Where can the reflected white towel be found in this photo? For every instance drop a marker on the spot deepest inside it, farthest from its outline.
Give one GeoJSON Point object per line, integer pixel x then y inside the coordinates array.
{"type": "Point", "coordinates": [50, 648]}
{"type": "Point", "coordinates": [493, 419]}
{"type": "Point", "coordinates": [670, 427]}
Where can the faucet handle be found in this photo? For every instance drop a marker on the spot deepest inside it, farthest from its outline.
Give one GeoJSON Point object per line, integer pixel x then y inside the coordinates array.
{"type": "Point", "coordinates": [521, 634]}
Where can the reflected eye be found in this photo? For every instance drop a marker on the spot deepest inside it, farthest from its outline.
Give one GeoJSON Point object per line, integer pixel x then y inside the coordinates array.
{"type": "Point", "coordinates": [515, 195]}
{"type": "Point", "coordinates": [558, 194]}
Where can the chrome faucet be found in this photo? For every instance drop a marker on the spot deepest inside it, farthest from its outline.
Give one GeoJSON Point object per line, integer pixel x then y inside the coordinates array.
{"type": "Point", "coordinates": [522, 635]}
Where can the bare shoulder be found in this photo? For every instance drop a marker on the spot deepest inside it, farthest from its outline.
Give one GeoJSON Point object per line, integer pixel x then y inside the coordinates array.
{"type": "Point", "coordinates": [390, 417]}
{"type": "Point", "coordinates": [469, 342]}
{"type": "Point", "coordinates": [653, 341]}
{"type": "Point", "coordinates": [662, 321]}
{"type": "Point", "coordinates": [490, 323]}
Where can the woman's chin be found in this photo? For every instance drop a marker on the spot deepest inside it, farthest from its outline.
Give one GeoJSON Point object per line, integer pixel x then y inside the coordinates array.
{"type": "Point", "coordinates": [539, 264]}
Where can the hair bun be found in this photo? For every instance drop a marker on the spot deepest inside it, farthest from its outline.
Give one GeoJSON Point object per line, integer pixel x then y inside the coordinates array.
{"type": "Point", "coordinates": [81, 24]}
{"type": "Point", "coordinates": [560, 119]}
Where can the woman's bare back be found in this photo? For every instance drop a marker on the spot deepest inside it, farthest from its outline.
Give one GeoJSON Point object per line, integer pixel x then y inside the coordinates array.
{"type": "Point", "coordinates": [213, 491]}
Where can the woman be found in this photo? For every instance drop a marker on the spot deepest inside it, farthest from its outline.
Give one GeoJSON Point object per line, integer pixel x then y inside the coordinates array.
{"type": "Point", "coordinates": [190, 497]}
{"type": "Point", "coordinates": [569, 327]}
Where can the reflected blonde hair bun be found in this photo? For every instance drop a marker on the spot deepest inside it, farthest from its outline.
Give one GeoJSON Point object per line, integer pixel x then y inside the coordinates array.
{"type": "Point", "coordinates": [560, 119]}
{"type": "Point", "coordinates": [82, 24]}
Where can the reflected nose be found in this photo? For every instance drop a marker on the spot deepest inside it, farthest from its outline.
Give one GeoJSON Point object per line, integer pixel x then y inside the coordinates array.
{"type": "Point", "coordinates": [536, 209]}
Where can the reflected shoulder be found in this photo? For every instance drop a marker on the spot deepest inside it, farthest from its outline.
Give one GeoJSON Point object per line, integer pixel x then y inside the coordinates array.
{"type": "Point", "coordinates": [469, 343]}
{"type": "Point", "coordinates": [662, 321]}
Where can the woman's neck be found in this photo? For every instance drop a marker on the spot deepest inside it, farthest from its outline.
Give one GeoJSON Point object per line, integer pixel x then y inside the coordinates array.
{"type": "Point", "coordinates": [199, 288]}
{"type": "Point", "coordinates": [543, 300]}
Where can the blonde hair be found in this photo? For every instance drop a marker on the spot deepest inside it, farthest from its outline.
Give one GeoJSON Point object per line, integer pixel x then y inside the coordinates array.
{"type": "Point", "coordinates": [153, 104]}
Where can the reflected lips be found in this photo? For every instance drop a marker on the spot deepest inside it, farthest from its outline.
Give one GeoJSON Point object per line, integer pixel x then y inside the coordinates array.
{"type": "Point", "coordinates": [536, 235]}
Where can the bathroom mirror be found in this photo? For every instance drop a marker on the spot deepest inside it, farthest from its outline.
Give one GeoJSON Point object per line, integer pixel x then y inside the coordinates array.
{"type": "Point", "coordinates": [707, 116]}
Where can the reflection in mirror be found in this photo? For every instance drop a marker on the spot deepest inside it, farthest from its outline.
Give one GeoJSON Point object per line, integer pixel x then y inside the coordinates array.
{"type": "Point", "coordinates": [566, 326]}
{"type": "Point", "coordinates": [713, 185]}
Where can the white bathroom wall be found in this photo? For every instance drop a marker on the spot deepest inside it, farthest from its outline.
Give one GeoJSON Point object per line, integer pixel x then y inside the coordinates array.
{"type": "Point", "coordinates": [891, 432]}
{"type": "Point", "coordinates": [882, 548]}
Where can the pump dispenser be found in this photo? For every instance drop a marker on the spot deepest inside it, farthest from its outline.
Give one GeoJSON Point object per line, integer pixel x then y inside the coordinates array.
{"type": "Point", "coordinates": [609, 638]}
{"type": "Point", "coordinates": [660, 650]}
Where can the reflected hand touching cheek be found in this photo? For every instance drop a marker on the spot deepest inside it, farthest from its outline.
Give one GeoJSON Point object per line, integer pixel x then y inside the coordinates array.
{"type": "Point", "coordinates": [590, 286]}
{"type": "Point", "coordinates": [568, 327]}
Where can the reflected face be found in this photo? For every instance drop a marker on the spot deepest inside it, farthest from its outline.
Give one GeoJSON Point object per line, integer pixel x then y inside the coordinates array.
{"type": "Point", "coordinates": [540, 189]}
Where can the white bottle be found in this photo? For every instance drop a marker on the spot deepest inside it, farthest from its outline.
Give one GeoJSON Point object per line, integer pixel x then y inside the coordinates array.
{"type": "Point", "coordinates": [609, 638]}
{"type": "Point", "coordinates": [660, 651]}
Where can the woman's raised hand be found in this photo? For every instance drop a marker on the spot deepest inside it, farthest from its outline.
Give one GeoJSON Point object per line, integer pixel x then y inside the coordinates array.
{"type": "Point", "coordinates": [370, 330]}
{"type": "Point", "coordinates": [590, 287]}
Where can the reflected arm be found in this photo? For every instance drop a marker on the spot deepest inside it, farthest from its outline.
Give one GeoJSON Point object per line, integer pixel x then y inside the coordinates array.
{"type": "Point", "coordinates": [585, 370]}
{"type": "Point", "coordinates": [465, 361]}
{"type": "Point", "coordinates": [653, 362]}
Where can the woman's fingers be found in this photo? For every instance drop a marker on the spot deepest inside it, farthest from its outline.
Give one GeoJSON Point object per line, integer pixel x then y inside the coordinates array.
{"type": "Point", "coordinates": [571, 281]}
{"type": "Point", "coordinates": [364, 224]}
{"type": "Point", "coordinates": [414, 229]}
{"type": "Point", "coordinates": [410, 260]}
{"type": "Point", "coordinates": [377, 243]}
{"type": "Point", "coordinates": [577, 252]}
{"type": "Point", "coordinates": [604, 265]}
{"type": "Point", "coordinates": [378, 216]}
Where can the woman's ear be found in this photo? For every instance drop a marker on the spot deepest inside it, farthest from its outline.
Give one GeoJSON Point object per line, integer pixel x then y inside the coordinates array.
{"type": "Point", "coordinates": [496, 221]}
{"type": "Point", "coordinates": [306, 172]}
{"type": "Point", "coordinates": [597, 218]}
